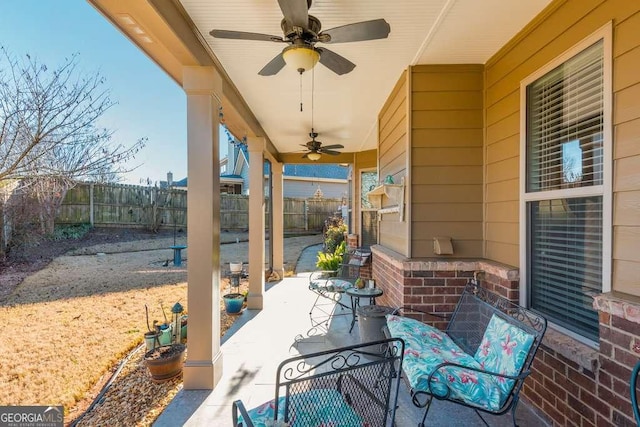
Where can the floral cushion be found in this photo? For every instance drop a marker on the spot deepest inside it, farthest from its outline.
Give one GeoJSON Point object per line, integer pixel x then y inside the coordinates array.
{"type": "Point", "coordinates": [503, 350]}
{"type": "Point", "coordinates": [313, 408]}
{"type": "Point", "coordinates": [331, 285]}
{"type": "Point", "coordinates": [427, 347]}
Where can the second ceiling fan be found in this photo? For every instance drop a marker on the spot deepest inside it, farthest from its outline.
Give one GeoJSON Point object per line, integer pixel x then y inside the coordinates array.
{"type": "Point", "coordinates": [316, 149]}
{"type": "Point", "coordinates": [302, 31]}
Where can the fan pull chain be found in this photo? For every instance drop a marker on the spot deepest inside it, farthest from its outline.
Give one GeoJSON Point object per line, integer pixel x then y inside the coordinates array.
{"type": "Point", "coordinates": [301, 92]}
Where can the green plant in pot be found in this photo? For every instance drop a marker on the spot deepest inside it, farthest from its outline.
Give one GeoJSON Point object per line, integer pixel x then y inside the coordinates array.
{"type": "Point", "coordinates": [331, 261]}
{"type": "Point", "coordinates": [165, 359]}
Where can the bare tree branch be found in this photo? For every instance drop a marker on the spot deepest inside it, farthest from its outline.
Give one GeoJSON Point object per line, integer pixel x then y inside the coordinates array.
{"type": "Point", "coordinates": [49, 133]}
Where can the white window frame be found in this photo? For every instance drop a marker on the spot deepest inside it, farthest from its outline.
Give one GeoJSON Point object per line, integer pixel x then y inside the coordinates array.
{"type": "Point", "coordinates": [605, 189]}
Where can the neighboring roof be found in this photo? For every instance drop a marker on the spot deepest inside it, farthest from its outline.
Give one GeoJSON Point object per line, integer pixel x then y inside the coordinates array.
{"type": "Point", "coordinates": [231, 178]}
{"type": "Point", "coordinates": [328, 171]}
{"type": "Point", "coordinates": [316, 171]}
{"type": "Point", "coordinates": [181, 183]}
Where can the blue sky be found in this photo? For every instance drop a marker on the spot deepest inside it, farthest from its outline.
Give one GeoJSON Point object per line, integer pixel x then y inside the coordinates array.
{"type": "Point", "coordinates": [149, 103]}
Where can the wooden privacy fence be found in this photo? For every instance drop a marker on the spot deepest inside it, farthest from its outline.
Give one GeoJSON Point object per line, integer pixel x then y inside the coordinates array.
{"type": "Point", "coordinates": [118, 205]}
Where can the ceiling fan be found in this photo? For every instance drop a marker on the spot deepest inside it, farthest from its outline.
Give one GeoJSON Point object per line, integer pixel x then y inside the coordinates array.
{"type": "Point", "coordinates": [302, 31]}
{"type": "Point", "coordinates": [316, 149]}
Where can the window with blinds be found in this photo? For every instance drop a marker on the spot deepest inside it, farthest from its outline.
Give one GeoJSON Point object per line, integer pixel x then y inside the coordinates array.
{"type": "Point", "coordinates": [563, 191]}
{"type": "Point", "coordinates": [565, 121]}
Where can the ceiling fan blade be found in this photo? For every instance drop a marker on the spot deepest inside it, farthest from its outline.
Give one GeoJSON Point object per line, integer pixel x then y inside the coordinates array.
{"type": "Point", "coordinates": [241, 35]}
{"type": "Point", "coordinates": [305, 155]}
{"type": "Point", "coordinates": [272, 68]}
{"type": "Point", "coordinates": [336, 63]}
{"type": "Point", "coordinates": [332, 147]}
{"type": "Point", "coordinates": [296, 12]}
{"type": "Point", "coordinates": [359, 31]}
{"type": "Point", "coordinates": [330, 152]}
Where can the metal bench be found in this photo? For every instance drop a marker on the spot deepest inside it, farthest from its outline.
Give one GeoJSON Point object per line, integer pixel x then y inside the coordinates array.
{"type": "Point", "coordinates": [481, 359]}
{"type": "Point", "coordinates": [348, 386]}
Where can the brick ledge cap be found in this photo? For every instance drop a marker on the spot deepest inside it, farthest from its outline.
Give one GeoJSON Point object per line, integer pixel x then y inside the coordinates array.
{"type": "Point", "coordinates": [619, 304]}
{"type": "Point", "coordinates": [443, 264]}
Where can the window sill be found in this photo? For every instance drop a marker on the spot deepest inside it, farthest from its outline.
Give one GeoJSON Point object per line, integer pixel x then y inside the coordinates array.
{"type": "Point", "coordinates": [582, 354]}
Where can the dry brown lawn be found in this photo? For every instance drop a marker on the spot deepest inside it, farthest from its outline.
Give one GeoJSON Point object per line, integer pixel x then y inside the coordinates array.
{"type": "Point", "coordinates": [66, 326]}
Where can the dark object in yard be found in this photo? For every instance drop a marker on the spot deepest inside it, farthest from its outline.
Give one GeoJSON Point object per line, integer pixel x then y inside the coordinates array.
{"type": "Point", "coordinates": [177, 254]}
{"type": "Point", "coordinates": [480, 361]}
{"type": "Point", "coordinates": [165, 362]}
{"type": "Point", "coordinates": [348, 386]}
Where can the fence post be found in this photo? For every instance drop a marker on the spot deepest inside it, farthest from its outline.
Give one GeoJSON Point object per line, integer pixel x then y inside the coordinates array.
{"type": "Point", "coordinates": [306, 216]}
{"type": "Point", "coordinates": [91, 220]}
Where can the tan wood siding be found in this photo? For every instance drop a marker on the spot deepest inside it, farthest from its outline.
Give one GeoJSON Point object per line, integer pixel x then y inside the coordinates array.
{"type": "Point", "coordinates": [565, 24]}
{"type": "Point", "coordinates": [454, 175]}
{"type": "Point", "coordinates": [426, 138]}
{"type": "Point", "coordinates": [392, 160]}
{"type": "Point", "coordinates": [627, 138]}
{"type": "Point", "coordinates": [625, 276]}
{"type": "Point", "coordinates": [447, 212]}
{"type": "Point", "coordinates": [446, 193]}
{"type": "Point", "coordinates": [446, 161]}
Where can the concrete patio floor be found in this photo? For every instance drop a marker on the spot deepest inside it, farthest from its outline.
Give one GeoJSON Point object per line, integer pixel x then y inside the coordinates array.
{"type": "Point", "coordinates": [260, 340]}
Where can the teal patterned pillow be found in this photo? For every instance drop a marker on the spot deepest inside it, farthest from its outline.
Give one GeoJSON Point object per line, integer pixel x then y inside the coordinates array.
{"type": "Point", "coordinates": [316, 407]}
{"type": "Point", "coordinates": [503, 350]}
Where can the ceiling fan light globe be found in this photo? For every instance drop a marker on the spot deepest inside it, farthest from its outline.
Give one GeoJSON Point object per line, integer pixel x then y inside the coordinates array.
{"type": "Point", "coordinates": [301, 58]}
{"type": "Point", "coordinates": [314, 156]}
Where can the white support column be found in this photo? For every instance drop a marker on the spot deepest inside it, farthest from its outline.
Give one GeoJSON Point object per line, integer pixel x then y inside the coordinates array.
{"type": "Point", "coordinates": [256, 222]}
{"type": "Point", "coordinates": [203, 367]}
{"type": "Point", "coordinates": [277, 234]}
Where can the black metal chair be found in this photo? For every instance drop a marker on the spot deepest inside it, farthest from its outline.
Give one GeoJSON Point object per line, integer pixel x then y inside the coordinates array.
{"type": "Point", "coordinates": [329, 286]}
{"type": "Point", "coordinates": [635, 389]}
{"type": "Point", "coordinates": [348, 386]}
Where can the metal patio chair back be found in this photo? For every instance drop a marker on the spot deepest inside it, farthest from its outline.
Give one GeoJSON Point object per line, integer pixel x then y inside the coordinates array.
{"type": "Point", "coordinates": [349, 386]}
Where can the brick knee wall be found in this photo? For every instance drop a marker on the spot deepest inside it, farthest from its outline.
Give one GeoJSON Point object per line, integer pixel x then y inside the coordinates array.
{"type": "Point", "coordinates": [571, 383]}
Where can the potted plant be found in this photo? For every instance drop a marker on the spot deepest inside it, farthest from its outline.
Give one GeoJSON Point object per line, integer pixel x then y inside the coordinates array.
{"type": "Point", "coordinates": [331, 261]}
{"type": "Point", "coordinates": [165, 358]}
{"type": "Point", "coordinates": [165, 362]}
{"type": "Point", "coordinates": [234, 301]}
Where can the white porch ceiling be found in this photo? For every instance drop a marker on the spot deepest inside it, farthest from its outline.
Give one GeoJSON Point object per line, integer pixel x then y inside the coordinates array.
{"type": "Point", "coordinates": [346, 107]}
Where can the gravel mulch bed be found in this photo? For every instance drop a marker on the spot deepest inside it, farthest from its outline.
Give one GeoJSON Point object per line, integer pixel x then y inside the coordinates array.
{"type": "Point", "coordinates": [132, 399]}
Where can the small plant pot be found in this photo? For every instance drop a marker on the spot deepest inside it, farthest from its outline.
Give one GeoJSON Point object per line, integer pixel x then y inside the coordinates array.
{"type": "Point", "coordinates": [233, 303]}
{"type": "Point", "coordinates": [235, 267]}
{"type": "Point", "coordinates": [151, 340]}
{"type": "Point", "coordinates": [165, 362]}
